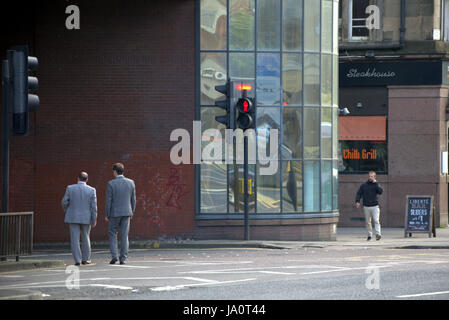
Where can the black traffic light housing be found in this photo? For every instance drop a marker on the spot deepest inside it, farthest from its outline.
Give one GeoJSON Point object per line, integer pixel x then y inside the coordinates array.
{"type": "Point", "coordinates": [229, 118]}
{"type": "Point", "coordinates": [21, 101]}
{"type": "Point", "coordinates": [246, 104]}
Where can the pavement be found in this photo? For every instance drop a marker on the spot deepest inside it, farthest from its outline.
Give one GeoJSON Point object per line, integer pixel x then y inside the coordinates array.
{"type": "Point", "coordinates": [392, 238]}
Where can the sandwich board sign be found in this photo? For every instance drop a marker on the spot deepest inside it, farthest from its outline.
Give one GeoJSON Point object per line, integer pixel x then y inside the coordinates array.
{"type": "Point", "coordinates": [419, 215]}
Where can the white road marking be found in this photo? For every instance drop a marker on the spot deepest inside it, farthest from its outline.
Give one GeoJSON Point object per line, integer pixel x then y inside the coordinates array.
{"type": "Point", "coordinates": [422, 294]}
{"type": "Point", "coordinates": [108, 286]}
{"type": "Point", "coordinates": [182, 286]}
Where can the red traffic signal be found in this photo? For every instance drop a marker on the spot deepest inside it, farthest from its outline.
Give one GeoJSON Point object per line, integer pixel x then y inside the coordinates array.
{"type": "Point", "coordinates": [244, 105]}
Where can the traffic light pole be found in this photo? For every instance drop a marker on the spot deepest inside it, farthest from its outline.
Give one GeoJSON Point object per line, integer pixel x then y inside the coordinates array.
{"type": "Point", "coordinates": [5, 137]}
{"type": "Point", "coordinates": [245, 186]}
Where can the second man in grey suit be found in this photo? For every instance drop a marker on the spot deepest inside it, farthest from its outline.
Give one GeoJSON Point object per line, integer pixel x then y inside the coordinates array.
{"type": "Point", "coordinates": [120, 206]}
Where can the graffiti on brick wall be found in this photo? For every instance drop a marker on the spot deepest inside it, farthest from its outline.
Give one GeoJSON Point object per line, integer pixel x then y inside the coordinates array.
{"type": "Point", "coordinates": [167, 194]}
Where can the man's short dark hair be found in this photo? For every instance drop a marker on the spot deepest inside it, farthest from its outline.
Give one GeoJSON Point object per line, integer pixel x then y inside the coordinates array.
{"type": "Point", "coordinates": [83, 176]}
{"type": "Point", "coordinates": [119, 168]}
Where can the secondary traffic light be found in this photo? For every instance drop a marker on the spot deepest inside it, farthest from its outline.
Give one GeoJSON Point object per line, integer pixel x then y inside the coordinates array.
{"type": "Point", "coordinates": [229, 118]}
{"type": "Point", "coordinates": [21, 101]}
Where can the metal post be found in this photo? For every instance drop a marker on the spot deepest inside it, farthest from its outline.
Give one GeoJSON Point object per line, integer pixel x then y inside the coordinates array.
{"type": "Point", "coordinates": [5, 148]}
{"type": "Point", "coordinates": [5, 136]}
{"type": "Point", "coordinates": [245, 187]}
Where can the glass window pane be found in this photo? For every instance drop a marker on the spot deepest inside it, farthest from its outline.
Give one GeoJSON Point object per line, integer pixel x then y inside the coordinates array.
{"type": "Point", "coordinates": [326, 186]}
{"type": "Point", "coordinates": [335, 29]}
{"type": "Point", "coordinates": [335, 81]}
{"type": "Point", "coordinates": [360, 156]}
{"type": "Point", "coordinates": [292, 79]}
{"type": "Point", "coordinates": [236, 188]}
{"type": "Point", "coordinates": [268, 24]}
{"type": "Point", "coordinates": [213, 24]}
{"type": "Point", "coordinates": [326, 80]}
{"type": "Point", "coordinates": [241, 65]}
{"type": "Point", "coordinates": [291, 186]}
{"type": "Point", "coordinates": [213, 188]}
{"type": "Point", "coordinates": [311, 132]}
{"type": "Point", "coordinates": [292, 24]}
{"type": "Point", "coordinates": [268, 79]}
{"type": "Point", "coordinates": [335, 148]}
{"type": "Point", "coordinates": [311, 186]}
{"type": "Point", "coordinates": [268, 192]}
{"type": "Point", "coordinates": [267, 120]}
{"type": "Point", "coordinates": [291, 133]}
{"type": "Point", "coordinates": [311, 79]}
{"type": "Point", "coordinates": [241, 24]}
{"type": "Point", "coordinates": [326, 132]}
{"type": "Point", "coordinates": [209, 139]}
{"type": "Point", "coordinates": [212, 73]}
{"type": "Point", "coordinates": [312, 25]}
{"type": "Point", "coordinates": [326, 26]}
{"type": "Point", "coordinates": [335, 185]}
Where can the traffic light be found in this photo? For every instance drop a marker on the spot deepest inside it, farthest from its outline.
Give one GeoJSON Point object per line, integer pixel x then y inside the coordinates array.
{"type": "Point", "coordinates": [229, 118]}
{"type": "Point", "coordinates": [245, 104]}
{"type": "Point", "coordinates": [21, 101]}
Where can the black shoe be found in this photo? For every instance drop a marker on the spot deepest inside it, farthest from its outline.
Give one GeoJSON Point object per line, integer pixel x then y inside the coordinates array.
{"type": "Point", "coordinates": [369, 238]}
{"type": "Point", "coordinates": [378, 236]}
{"type": "Point", "coordinates": [113, 261]}
{"type": "Point", "coordinates": [122, 262]}
{"type": "Point", "coordinates": [86, 262]}
{"type": "Point", "coordinates": [77, 264]}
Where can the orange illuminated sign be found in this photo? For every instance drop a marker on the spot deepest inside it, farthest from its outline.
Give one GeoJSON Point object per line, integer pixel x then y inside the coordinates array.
{"type": "Point", "coordinates": [241, 87]}
{"type": "Point", "coordinates": [355, 154]}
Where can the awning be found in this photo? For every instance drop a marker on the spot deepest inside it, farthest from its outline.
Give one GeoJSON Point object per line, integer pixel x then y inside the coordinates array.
{"type": "Point", "coordinates": [362, 128]}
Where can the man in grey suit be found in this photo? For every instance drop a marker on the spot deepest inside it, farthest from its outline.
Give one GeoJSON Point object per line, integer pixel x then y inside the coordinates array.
{"type": "Point", "coordinates": [80, 206]}
{"type": "Point", "coordinates": [120, 206]}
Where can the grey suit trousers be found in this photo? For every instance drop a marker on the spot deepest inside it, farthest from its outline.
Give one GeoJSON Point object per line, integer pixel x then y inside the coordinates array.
{"type": "Point", "coordinates": [80, 253]}
{"type": "Point", "coordinates": [114, 224]}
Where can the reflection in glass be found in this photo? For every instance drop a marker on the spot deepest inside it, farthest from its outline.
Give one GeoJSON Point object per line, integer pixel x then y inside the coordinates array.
{"type": "Point", "coordinates": [236, 188]}
{"type": "Point", "coordinates": [335, 184]}
{"type": "Point", "coordinates": [311, 132]}
{"type": "Point", "coordinates": [241, 65]}
{"type": "Point", "coordinates": [267, 119]}
{"type": "Point", "coordinates": [292, 25]}
{"type": "Point", "coordinates": [213, 24]}
{"type": "Point", "coordinates": [268, 192]}
{"type": "Point", "coordinates": [312, 25]}
{"type": "Point", "coordinates": [326, 185]}
{"type": "Point", "coordinates": [311, 79]}
{"type": "Point", "coordinates": [241, 24]}
{"type": "Point", "coordinates": [291, 186]}
{"type": "Point", "coordinates": [268, 24]}
{"type": "Point", "coordinates": [311, 186]}
{"type": "Point", "coordinates": [291, 133]}
{"type": "Point", "coordinates": [208, 122]}
{"type": "Point", "coordinates": [213, 188]}
{"type": "Point", "coordinates": [326, 79]}
{"type": "Point", "coordinates": [335, 133]}
{"type": "Point", "coordinates": [292, 79]}
{"type": "Point", "coordinates": [326, 26]}
{"type": "Point", "coordinates": [335, 81]}
{"type": "Point", "coordinates": [212, 73]}
{"type": "Point", "coordinates": [326, 132]}
{"type": "Point", "coordinates": [268, 79]}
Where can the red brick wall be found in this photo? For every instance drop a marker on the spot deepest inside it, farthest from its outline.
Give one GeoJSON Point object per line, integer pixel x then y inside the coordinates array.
{"type": "Point", "coordinates": [110, 92]}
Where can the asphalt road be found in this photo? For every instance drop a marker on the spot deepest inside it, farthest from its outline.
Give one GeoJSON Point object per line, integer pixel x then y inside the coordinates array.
{"type": "Point", "coordinates": [245, 274]}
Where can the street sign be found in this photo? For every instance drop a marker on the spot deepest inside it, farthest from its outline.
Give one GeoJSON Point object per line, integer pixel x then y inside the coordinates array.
{"type": "Point", "coordinates": [419, 215]}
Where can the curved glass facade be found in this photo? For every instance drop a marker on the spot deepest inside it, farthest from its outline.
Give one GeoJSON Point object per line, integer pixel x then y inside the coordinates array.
{"type": "Point", "coordinates": [290, 48]}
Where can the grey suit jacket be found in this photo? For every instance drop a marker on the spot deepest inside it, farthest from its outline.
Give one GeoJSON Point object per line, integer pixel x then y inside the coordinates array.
{"type": "Point", "coordinates": [120, 197]}
{"type": "Point", "coordinates": [80, 204]}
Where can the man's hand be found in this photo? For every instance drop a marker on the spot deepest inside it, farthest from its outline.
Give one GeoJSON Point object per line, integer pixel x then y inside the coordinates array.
{"type": "Point", "coordinates": [357, 205]}
{"type": "Point", "coordinates": [94, 224]}
{"type": "Point", "coordinates": [106, 218]}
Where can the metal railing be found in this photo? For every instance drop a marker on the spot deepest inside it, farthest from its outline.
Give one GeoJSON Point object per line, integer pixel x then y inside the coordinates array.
{"type": "Point", "coordinates": [16, 234]}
